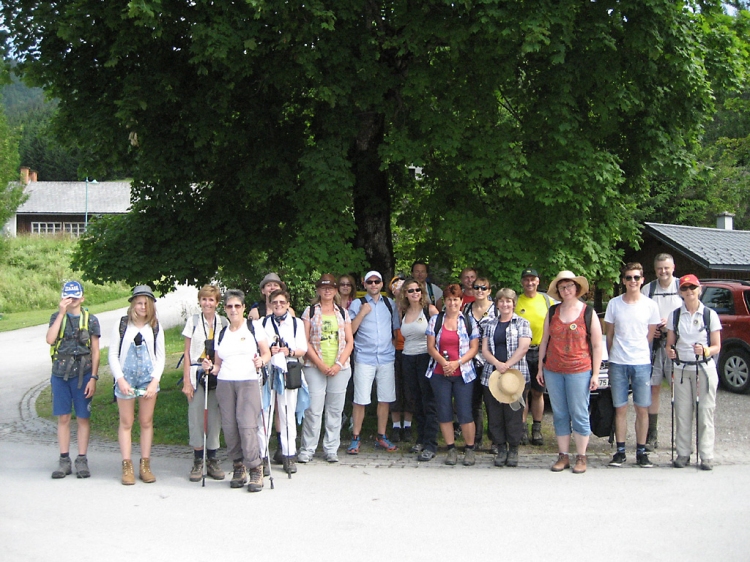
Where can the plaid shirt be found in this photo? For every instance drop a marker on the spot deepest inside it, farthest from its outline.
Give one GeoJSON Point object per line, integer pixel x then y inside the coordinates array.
{"type": "Point", "coordinates": [517, 328]}
{"type": "Point", "coordinates": [467, 369]}
{"type": "Point", "coordinates": [315, 324]}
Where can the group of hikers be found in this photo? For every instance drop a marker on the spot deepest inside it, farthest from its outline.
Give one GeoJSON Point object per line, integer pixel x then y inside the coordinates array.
{"type": "Point", "coordinates": [434, 359]}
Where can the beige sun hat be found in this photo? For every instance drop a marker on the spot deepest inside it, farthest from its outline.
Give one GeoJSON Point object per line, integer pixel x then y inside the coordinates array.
{"type": "Point", "coordinates": [583, 284]}
{"type": "Point", "coordinates": [507, 387]}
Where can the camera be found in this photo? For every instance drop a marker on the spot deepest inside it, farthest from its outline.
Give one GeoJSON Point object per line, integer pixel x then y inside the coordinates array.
{"type": "Point", "coordinates": [83, 337]}
{"type": "Point", "coordinates": [210, 350]}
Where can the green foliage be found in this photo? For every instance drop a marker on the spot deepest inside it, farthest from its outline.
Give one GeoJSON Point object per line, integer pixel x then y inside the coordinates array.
{"type": "Point", "coordinates": [277, 136]}
{"type": "Point", "coordinates": [11, 193]}
{"type": "Point", "coordinates": [32, 272]}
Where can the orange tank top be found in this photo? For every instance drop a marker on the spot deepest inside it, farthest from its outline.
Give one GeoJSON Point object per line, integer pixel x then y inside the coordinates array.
{"type": "Point", "coordinates": [567, 348]}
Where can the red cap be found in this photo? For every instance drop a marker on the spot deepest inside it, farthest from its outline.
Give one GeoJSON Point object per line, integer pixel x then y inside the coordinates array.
{"type": "Point", "coordinates": [689, 279]}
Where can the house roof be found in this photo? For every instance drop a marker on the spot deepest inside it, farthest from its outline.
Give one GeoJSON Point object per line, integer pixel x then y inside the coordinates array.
{"type": "Point", "coordinates": [69, 197]}
{"type": "Point", "coordinates": [712, 248]}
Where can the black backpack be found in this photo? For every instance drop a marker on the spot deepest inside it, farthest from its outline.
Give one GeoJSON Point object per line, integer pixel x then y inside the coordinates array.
{"type": "Point", "coordinates": [602, 414]}
{"type": "Point", "coordinates": [439, 322]}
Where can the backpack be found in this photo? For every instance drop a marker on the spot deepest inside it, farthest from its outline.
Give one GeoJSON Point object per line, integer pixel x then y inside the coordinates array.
{"type": "Point", "coordinates": [439, 322]}
{"type": "Point", "coordinates": [84, 325]}
{"type": "Point", "coordinates": [652, 289]}
{"type": "Point", "coordinates": [387, 301]}
{"type": "Point", "coordinates": [602, 414]}
{"type": "Point", "coordinates": [250, 327]}
{"type": "Point", "coordinates": [124, 327]}
{"type": "Point", "coordinates": [588, 314]}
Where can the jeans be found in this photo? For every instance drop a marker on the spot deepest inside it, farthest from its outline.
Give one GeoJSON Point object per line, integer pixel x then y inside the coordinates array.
{"type": "Point", "coordinates": [414, 368]}
{"type": "Point", "coordinates": [639, 379]}
{"type": "Point", "coordinates": [569, 396]}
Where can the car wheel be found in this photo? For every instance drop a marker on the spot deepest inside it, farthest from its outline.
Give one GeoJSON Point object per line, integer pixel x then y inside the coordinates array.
{"type": "Point", "coordinates": [735, 370]}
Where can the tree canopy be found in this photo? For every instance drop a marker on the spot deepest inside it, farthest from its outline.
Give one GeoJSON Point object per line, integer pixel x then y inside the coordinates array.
{"type": "Point", "coordinates": [280, 134]}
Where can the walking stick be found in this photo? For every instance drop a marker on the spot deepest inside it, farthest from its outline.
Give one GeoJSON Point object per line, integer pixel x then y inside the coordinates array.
{"type": "Point", "coordinates": [697, 406]}
{"type": "Point", "coordinates": [263, 420]}
{"type": "Point", "coordinates": [286, 423]}
{"type": "Point", "coordinates": [205, 425]}
{"type": "Point", "coordinates": [672, 386]}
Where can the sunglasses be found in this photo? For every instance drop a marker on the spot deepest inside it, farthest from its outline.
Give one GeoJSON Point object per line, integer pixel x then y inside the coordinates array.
{"type": "Point", "coordinates": [345, 284]}
{"type": "Point", "coordinates": [373, 282]}
{"type": "Point", "coordinates": [688, 288]}
{"type": "Point", "coordinates": [231, 306]}
{"type": "Point", "coordinates": [632, 278]}
{"type": "Point", "coordinates": [411, 291]}
{"type": "Point", "coordinates": [480, 287]}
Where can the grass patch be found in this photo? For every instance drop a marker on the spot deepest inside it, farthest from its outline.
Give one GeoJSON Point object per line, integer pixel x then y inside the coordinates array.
{"type": "Point", "coordinates": [17, 320]}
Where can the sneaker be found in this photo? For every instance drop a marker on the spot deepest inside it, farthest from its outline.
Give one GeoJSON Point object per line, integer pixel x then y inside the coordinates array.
{"type": "Point", "coordinates": [426, 455]}
{"type": "Point", "coordinates": [239, 478]}
{"type": "Point", "coordinates": [470, 457]}
{"type": "Point", "coordinates": [406, 434]}
{"type": "Point", "coordinates": [353, 448]}
{"type": "Point", "coordinates": [278, 457]}
{"type": "Point", "coordinates": [452, 457]}
{"type": "Point", "coordinates": [502, 454]}
{"type": "Point", "coordinates": [642, 461]}
{"type": "Point", "coordinates": [536, 434]}
{"type": "Point", "coordinates": [290, 467]}
{"type": "Point", "coordinates": [82, 467]}
{"type": "Point", "coordinates": [304, 457]}
{"type": "Point", "coordinates": [383, 442]}
{"type": "Point", "coordinates": [563, 462]}
{"type": "Point", "coordinates": [196, 473]}
{"type": "Point", "coordinates": [266, 467]}
{"type": "Point", "coordinates": [396, 434]}
{"type": "Point", "coordinates": [707, 464]}
{"type": "Point", "coordinates": [512, 460]}
{"type": "Point", "coordinates": [416, 449]}
{"type": "Point", "coordinates": [618, 459]}
{"type": "Point", "coordinates": [256, 479]}
{"type": "Point", "coordinates": [213, 468]}
{"type": "Point", "coordinates": [332, 457]}
{"type": "Point", "coordinates": [63, 469]}
{"type": "Point", "coordinates": [681, 461]}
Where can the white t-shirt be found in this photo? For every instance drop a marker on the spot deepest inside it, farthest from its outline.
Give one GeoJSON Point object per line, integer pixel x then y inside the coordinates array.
{"type": "Point", "coordinates": [237, 350]}
{"type": "Point", "coordinates": [692, 330]}
{"type": "Point", "coordinates": [296, 342]}
{"type": "Point", "coordinates": [666, 299]}
{"type": "Point", "coordinates": [631, 321]}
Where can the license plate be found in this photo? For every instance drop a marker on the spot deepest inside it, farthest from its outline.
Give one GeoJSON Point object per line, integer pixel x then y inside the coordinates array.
{"type": "Point", "coordinates": [603, 382]}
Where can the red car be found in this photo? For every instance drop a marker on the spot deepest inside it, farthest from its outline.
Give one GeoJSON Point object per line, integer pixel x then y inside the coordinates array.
{"type": "Point", "coordinates": [731, 301]}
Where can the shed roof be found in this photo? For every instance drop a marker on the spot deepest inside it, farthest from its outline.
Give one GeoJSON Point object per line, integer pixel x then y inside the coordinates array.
{"type": "Point", "coordinates": [69, 197]}
{"type": "Point", "coordinates": [713, 248]}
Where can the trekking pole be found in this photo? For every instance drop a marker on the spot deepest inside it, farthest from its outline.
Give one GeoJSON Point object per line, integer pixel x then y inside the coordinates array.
{"type": "Point", "coordinates": [286, 423]}
{"type": "Point", "coordinates": [675, 362]}
{"type": "Point", "coordinates": [205, 424]}
{"type": "Point", "coordinates": [697, 406]}
{"type": "Point", "coordinates": [263, 421]}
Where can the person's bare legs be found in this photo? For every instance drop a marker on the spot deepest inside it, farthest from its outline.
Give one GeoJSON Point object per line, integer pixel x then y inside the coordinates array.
{"type": "Point", "coordinates": [63, 433]}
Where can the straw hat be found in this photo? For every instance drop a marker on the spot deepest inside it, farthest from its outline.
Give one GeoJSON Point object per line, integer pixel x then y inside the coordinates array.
{"type": "Point", "coordinates": [507, 387]}
{"type": "Point", "coordinates": [583, 285]}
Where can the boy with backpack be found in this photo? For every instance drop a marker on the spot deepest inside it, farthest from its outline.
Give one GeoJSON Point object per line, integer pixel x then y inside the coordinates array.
{"type": "Point", "coordinates": [73, 335]}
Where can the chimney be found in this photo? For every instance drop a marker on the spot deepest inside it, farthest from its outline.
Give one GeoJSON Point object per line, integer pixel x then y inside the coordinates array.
{"type": "Point", "coordinates": [24, 175]}
{"type": "Point", "coordinates": [32, 175]}
{"type": "Point", "coordinates": [724, 221]}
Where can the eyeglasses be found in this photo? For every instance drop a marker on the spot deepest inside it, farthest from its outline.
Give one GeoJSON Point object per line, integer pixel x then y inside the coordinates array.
{"type": "Point", "coordinates": [411, 291]}
{"type": "Point", "coordinates": [688, 288]}
{"type": "Point", "coordinates": [373, 282]}
{"type": "Point", "coordinates": [566, 287]}
{"type": "Point", "coordinates": [279, 303]}
{"type": "Point", "coordinates": [231, 306]}
{"type": "Point", "coordinates": [345, 284]}
{"type": "Point", "coordinates": [632, 278]}
{"type": "Point", "coordinates": [480, 287]}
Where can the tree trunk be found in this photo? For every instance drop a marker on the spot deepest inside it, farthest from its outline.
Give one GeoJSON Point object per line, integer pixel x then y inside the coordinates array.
{"type": "Point", "coordinates": [372, 199]}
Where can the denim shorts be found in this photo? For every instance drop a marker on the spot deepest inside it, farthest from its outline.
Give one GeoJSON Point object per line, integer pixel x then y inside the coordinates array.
{"type": "Point", "coordinates": [637, 376]}
{"type": "Point", "coordinates": [446, 388]}
{"type": "Point", "coordinates": [66, 395]}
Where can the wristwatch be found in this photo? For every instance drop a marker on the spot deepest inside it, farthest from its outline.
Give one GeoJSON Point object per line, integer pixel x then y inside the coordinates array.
{"type": "Point", "coordinates": [95, 377]}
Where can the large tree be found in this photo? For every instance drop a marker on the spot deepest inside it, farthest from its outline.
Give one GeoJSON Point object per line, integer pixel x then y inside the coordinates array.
{"type": "Point", "coordinates": [281, 133]}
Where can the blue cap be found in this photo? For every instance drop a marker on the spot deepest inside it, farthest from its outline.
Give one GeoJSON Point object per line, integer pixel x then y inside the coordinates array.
{"type": "Point", "coordinates": [72, 289]}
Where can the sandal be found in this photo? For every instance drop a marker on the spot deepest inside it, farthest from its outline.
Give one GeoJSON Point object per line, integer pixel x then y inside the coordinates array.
{"type": "Point", "coordinates": [353, 448]}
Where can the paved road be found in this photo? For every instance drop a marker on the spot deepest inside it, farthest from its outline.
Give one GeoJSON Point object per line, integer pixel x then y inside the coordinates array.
{"type": "Point", "coordinates": [370, 507]}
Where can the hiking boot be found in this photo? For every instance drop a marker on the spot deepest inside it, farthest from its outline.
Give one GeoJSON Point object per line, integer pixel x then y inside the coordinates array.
{"type": "Point", "coordinates": [196, 473]}
{"type": "Point", "coordinates": [563, 462]}
{"type": "Point", "coordinates": [681, 461]}
{"type": "Point", "coordinates": [651, 440]}
{"type": "Point", "coordinates": [290, 467]}
{"type": "Point", "coordinates": [239, 477]}
{"type": "Point", "coordinates": [128, 473]}
{"type": "Point", "coordinates": [63, 468]}
{"type": "Point", "coordinates": [383, 442]}
{"type": "Point", "coordinates": [580, 466]}
{"type": "Point", "coordinates": [452, 457]}
{"type": "Point", "coordinates": [502, 455]}
{"type": "Point", "coordinates": [406, 434]}
{"type": "Point", "coordinates": [213, 468]}
{"type": "Point", "coordinates": [82, 466]}
{"type": "Point", "coordinates": [707, 464]}
{"type": "Point", "coordinates": [470, 457]}
{"type": "Point", "coordinates": [418, 448]}
{"type": "Point", "coordinates": [396, 434]}
{"type": "Point", "coordinates": [266, 467]}
{"type": "Point", "coordinates": [642, 461]}
{"type": "Point", "coordinates": [278, 457]}
{"type": "Point", "coordinates": [536, 434]}
{"type": "Point", "coordinates": [426, 455]}
{"type": "Point", "coordinates": [618, 459]}
{"type": "Point", "coordinates": [256, 480]}
{"type": "Point", "coordinates": [494, 449]}
{"type": "Point", "coordinates": [525, 436]}
{"type": "Point", "coordinates": [512, 459]}
{"type": "Point", "coordinates": [144, 471]}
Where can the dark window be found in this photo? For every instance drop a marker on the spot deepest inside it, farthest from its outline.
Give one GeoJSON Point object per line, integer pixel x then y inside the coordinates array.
{"type": "Point", "coordinates": [719, 299]}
